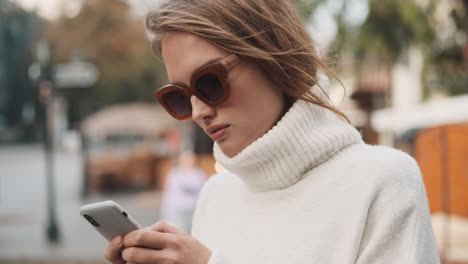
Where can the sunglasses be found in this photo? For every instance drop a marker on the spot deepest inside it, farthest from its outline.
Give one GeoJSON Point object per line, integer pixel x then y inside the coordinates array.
{"type": "Point", "coordinates": [208, 83]}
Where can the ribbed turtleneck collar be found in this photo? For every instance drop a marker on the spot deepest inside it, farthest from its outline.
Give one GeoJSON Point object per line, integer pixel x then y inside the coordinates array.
{"type": "Point", "coordinates": [305, 137]}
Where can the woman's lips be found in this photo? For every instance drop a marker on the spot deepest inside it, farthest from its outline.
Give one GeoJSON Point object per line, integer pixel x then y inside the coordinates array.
{"type": "Point", "coordinates": [218, 134]}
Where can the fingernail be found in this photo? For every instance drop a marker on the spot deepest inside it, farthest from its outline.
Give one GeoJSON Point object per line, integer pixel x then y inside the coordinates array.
{"type": "Point", "coordinates": [118, 241]}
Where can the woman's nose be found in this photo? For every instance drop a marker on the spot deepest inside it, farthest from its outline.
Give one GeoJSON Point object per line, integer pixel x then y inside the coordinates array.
{"type": "Point", "coordinates": [200, 110]}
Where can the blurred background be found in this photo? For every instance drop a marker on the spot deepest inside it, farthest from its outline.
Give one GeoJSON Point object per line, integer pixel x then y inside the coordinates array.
{"type": "Point", "coordinates": [79, 124]}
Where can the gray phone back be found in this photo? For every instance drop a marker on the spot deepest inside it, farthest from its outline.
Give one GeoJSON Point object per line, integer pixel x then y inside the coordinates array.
{"type": "Point", "coordinates": [109, 219]}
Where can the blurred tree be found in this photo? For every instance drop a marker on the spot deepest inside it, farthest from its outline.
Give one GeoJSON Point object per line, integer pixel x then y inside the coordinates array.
{"type": "Point", "coordinates": [391, 27]}
{"type": "Point", "coordinates": [448, 62]}
{"type": "Point", "coordinates": [105, 33]}
{"type": "Point", "coordinates": [307, 7]}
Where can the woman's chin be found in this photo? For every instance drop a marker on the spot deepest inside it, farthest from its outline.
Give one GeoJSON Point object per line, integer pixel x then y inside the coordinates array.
{"type": "Point", "coordinates": [228, 148]}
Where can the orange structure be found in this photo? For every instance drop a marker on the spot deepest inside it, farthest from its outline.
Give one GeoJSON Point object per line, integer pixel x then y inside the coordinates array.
{"type": "Point", "coordinates": [442, 154]}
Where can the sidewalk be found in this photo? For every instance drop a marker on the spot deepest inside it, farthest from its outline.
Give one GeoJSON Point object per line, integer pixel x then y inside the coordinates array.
{"type": "Point", "coordinates": [454, 230]}
{"type": "Point", "coordinates": [23, 211]}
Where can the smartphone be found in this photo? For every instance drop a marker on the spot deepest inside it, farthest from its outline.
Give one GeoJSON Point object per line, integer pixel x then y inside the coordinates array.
{"type": "Point", "coordinates": [109, 219]}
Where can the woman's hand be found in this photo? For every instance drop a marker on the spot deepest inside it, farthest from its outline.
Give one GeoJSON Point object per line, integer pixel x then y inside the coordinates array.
{"type": "Point", "coordinates": [161, 243]}
{"type": "Point", "coordinates": [114, 251]}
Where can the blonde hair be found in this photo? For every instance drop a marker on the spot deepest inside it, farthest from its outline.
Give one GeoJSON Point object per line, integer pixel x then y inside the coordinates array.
{"type": "Point", "coordinates": [267, 32]}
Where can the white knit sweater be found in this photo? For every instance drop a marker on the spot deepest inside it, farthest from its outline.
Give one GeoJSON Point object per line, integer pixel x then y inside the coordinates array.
{"type": "Point", "coordinates": [310, 191]}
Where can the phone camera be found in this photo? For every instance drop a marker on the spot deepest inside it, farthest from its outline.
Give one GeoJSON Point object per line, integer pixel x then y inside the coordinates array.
{"type": "Point", "coordinates": [124, 214]}
{"type": "Point", "coordinates": [91, 220]}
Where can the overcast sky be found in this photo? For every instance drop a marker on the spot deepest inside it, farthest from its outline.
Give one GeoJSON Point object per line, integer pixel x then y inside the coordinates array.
{"type": "Point", "coordinates": [46, 8]}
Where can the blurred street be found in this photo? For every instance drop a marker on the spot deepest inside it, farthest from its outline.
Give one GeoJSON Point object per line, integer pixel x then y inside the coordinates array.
{"type": "Point", "coordinates": [23, 209]}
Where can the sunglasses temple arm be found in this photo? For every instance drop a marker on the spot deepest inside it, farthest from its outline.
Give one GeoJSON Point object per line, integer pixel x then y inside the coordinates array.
{"type": "Point", "coordinates": [231, 61]}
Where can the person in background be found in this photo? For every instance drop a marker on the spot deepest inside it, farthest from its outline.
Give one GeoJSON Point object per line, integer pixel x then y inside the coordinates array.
{"type": "Point", "coordinates": [300, 185]}
{"type": "Point", "coordinates": [180, 194]}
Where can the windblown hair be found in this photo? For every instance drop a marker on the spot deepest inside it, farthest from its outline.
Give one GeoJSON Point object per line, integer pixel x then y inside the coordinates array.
{"type": "Point", "coordinates": [268, 32]}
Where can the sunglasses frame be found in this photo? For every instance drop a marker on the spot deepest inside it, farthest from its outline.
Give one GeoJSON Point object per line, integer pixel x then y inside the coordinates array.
{"type": "Point", "coordinates": [220, 69]}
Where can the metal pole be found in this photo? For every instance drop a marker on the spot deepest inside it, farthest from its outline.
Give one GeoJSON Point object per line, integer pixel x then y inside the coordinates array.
{"type": "Point", "coordinates": [85, 162]}
{"type": "Point", "coordinates": [46, 92]}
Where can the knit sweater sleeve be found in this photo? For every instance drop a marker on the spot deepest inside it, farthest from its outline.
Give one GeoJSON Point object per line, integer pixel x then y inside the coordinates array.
{"type": "Point", "coordinates": [217, 258]}
{"type": "Point", "coordinates": [198, 227]}
{"type": "Point", "coordinates": [398, 227]}
{"type": "Point", "coordinates": [200, 210]}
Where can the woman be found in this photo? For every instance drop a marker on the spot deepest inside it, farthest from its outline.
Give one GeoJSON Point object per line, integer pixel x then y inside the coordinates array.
{"type": "Point", "coordinates": [300, 185]}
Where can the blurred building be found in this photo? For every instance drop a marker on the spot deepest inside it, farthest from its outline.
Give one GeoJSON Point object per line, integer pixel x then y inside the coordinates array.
{"type": "Point", "coordinates": [19, 109]}
{"type": "Point", "coordinates": [132, 146]}
{"type": "Point", "coordinates": [401, 96]}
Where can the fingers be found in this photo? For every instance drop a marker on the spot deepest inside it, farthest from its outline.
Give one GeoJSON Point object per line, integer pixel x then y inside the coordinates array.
{"type": "Point", "coordinates": [144, 255]}
{"type": "Point", "coordinates": [164, 227]}
{"type": "Point", "coordinates": [147, 238]}
{"type": "Point", "coordinates": [113, 251]}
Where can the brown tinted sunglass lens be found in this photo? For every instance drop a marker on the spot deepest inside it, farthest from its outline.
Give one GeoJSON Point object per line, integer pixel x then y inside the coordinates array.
{"type": "Point", "coordinates": [210, 87]}
{"type": "Point", "coordinates": [178, 103]}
